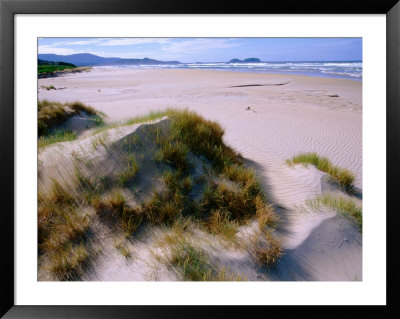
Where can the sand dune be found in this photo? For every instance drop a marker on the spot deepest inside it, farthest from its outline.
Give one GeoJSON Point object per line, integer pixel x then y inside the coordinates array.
{"type": "Point", "coordinates": [267, 118]}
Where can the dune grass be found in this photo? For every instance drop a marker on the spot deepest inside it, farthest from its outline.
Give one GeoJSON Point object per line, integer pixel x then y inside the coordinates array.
{"type": "Point", "coordinates": [343, 176]}
{"type": "Point", "coordinates": [231, 195]}
{"type": "Point", "coordinates": [221, 209]}
{"type": "Point", "coordinates": [69, 263]}
{"type": "Point", "coordinates": [194, 265]}
{"type": "Point", "coordinates": [90, 187]}
{"type": "Point", "coordinates": [62, 229]}
{"type": "Point", "coordinates": [268, 254]}
{"type": "Point", "coordinates": [57, 136]}
{"type": "Point", "coordinates": [123, 250]}
{"type": "Point", "coordinates": [51, 114]}
{"type": "Point", "coordinates": [151, 116]}
{"type": "Point", "coordinates": [202, 137]}
{"type": "Point", "coordinates": [117, 214]}
{"type": "Point", "coordinates": [342, 205]}
{"type": "Point", "coordinates": [129, 172]}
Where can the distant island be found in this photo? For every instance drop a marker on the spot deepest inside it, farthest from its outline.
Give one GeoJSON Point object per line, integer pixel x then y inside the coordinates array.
{"type": "Point", "coordinates": [87, 59]}
{"type": "Point", "coordinates": [248, 60]}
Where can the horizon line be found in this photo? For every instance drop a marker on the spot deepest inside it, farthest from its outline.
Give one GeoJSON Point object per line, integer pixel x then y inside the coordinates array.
{"type": "Point", "coordinates": [271, 61]}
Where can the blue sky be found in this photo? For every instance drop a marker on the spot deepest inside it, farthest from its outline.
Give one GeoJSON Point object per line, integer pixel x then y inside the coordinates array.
{"type": "Point", "coordinates": [210, 49]}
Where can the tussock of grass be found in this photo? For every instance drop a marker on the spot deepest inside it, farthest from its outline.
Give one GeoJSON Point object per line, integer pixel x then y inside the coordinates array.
{"type": "Point", "coordinates": [174, 153]}
{"type": "Point", "coordinates": [91, 187]}
{"type": "Point", "coordinates": [58, 216]}
{"type": "Point", "coordinates": [202, 137]}
{"type": "Point", "coordinates": [129, 172]}
{"type": "Point", "coordinates": [114, 211]}
{"type": "Point", "coordinates": [344, 206]}
{"type": "Point", "coordinates": [268, 254]}
{"type": "Point", "coordinates": [195, 265]}
{"type": "Point", "coordinates": [238, 204]}
{"type": "Point", "coordinates": [51, 114]}
{"type": "Point", "coordinates": [123, 250]}
{"type": "Point", "coordinates": [69, 263]}
{"type": "Point", "coordinates": [343, 176]}
{"type": "Point", "coordinates": [79, 107]}
{"type": "Point", "coordinates": [62, 226]}
{"type": "Point", "coordinates": [220, 222]}
{"type": "Point", "coordinates": [265, 214]}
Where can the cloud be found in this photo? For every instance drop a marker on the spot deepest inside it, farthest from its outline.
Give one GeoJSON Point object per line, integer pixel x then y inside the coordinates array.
{"type": "Point", "coordinates": [199, 45]}
{"type": "Point", "coordinates": [48, 49]}
{"type": "Point", "coordinates": [80, 42]}
{"type": "Point", "coordinates": [132, 41]}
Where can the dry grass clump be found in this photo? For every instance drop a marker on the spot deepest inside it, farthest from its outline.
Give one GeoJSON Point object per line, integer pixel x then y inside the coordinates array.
{"type": "Point", "coordinates": [174, 153]}
{"type": "Point", "coordinates": [115, 212]}
{"type": "Point", "coordinates": [51, 114]}
{"type": "Point", "coordinates": [237, 203]}
{"type": "Point", "coordinates": [62, 227]}
{"type": "Point", "coordinates": [79, 107]}
{"type": "Point", "coordinates": [342, 205]}
{"type": "Point", "coordinates": [268, 254]}
{"type": "Point", "coordinates": [69, 263]}
{"type": "Point", "coordinates": [265, 214]}
{"type": "Point", "coordinates": [343, 176]}
{"type": "Point", "coordinates": [129, 172]}
{"type": "Point", "coordinates": [194, 264]}
{"type": "Point", "coordinates": [91, 187]}
{"type": "Point", "coordinates": [202, 137]}
{"type": "Point", "coordinates": [123, 250]}
{"type": "Point", "coordinates": [220, 222]}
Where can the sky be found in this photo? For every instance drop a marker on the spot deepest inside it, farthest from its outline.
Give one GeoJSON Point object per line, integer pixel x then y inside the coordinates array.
{"type": "Point", "coordinates": [210, 49]}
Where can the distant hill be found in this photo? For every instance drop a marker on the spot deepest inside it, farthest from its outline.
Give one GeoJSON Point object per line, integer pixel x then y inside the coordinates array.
{"type": "Point", "coordinates": [87, 59]}
{"type": "Point", "coordinates": [249, 60]}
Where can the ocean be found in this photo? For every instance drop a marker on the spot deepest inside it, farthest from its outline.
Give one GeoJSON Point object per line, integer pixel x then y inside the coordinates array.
{"type": "Point", "coordinates": [343, 69]}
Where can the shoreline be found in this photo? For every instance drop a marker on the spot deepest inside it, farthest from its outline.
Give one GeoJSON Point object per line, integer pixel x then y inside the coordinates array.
{"type": "Point", "coordinates": [272, 73]}
{"type": "Point", "coordinates": [236, 68]}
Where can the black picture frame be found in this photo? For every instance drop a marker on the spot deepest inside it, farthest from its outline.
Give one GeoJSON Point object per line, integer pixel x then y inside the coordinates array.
{"type": "Point", "coordinates": [8, 8]}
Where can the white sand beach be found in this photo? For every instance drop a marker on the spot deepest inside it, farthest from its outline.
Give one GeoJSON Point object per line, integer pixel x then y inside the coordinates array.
{"type": "Point", "coordinates": [268, 118]}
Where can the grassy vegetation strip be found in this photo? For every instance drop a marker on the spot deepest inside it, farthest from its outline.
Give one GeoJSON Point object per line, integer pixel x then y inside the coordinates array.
{"type": "Point", "coordinates": [345, 206]}
{"type": "Point", "coordinates": [56, 136]}
{"type": "Point", "coordinates": [343, 176]}
{"type": "Point", "coordinates": [52, 68]}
